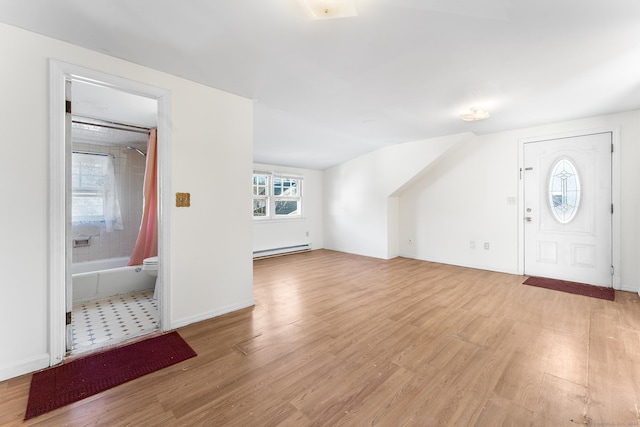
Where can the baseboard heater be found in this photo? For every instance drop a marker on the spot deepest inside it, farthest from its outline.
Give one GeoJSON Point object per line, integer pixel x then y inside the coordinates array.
{"type": "Point", "coordinates": [285, 250]}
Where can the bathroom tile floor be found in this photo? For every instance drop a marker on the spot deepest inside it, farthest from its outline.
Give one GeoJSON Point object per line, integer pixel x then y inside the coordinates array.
{"type": "Point", "coordinates": [97, 324]}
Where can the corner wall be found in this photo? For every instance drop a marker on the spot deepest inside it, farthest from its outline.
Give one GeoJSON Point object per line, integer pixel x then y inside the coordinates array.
{"type": "Point", "coordinates": [270, 234]}
{"type": "Point", "coordinates": [357, 205]}
{"type": "Point", "coordinates": [463, 200]}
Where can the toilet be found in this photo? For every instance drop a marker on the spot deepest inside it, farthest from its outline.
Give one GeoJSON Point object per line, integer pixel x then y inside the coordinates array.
{"type": "Point", "coordinates": [150, 266]}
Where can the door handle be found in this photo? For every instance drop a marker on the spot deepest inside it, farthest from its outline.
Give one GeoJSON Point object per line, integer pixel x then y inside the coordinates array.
{"type": "Point", "coordinates": [528, 219]}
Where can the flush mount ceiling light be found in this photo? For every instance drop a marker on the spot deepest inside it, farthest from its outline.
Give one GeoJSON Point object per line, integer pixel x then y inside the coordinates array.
{"type": "Point", "coordinates": [329, 9]}
{"type": "Point", "coordinates": [475, 115]}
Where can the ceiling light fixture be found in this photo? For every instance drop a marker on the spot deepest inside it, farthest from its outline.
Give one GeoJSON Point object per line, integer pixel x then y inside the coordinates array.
{"type": "Point", "coordinates": [330, 9]}
{"type": "Point", "coordinates": [475, 115]}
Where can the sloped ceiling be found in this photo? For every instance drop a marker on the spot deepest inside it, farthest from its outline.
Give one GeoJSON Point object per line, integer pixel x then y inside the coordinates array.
{"type": "Point", "coordinates": [326, 91]}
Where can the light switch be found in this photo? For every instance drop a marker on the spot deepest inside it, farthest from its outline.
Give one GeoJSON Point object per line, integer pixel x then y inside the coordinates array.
{"type": "Point", "coordinates": [183, 200]}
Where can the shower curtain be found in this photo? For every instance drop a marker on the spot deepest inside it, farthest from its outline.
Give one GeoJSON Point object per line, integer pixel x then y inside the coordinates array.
{"type": "Point", "coordinates": [147, 242]}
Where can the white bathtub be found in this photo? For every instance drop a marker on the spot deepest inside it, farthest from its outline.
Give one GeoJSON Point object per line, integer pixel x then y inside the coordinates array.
{"type": "Point", "coordinates": [95, 280]}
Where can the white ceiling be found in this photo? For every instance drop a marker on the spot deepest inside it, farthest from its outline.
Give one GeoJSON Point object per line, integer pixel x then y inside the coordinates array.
{"type": "Point", "coordinates": [326, 91]}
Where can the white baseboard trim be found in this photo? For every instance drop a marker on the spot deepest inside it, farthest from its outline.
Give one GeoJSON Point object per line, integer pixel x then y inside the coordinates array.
{"type": "Point", "coordinates": [625, 288]}
{"type": "Point", "coordinates": [461, 264]}
{"type": "Point", "coordinates": [32, 364]}
{"type": "Point", "coordinates": [211, 314]}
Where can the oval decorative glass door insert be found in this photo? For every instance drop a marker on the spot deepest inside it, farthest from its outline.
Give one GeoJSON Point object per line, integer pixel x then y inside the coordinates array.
{"type": "Point", "coordinates": [564, 190]}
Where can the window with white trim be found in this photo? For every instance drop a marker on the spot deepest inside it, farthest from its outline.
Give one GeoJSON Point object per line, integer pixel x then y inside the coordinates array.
{"type": "Point", "coordinates": [276, 196]}
{"type": "Point", "coordinates": [94, 199]}
{"type": "Point", "coordinates": [260, 196]}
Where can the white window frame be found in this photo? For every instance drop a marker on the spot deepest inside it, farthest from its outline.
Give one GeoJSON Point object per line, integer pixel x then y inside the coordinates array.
{"type": "Point", "coordinates": [272, 199]}
{"type": "Point", "coordinates": [257, 195]}
{"type": "Point", "coordinates": [91, 191]}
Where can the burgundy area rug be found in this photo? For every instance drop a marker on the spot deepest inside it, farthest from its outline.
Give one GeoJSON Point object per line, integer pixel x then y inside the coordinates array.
{"type": "Point", "coordinates": [81, 378]}
{"type": "Point", "coordinates": [572, 287]}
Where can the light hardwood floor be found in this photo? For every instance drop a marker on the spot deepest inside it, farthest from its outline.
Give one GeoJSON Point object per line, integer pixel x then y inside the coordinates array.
{"type": "Point", "coordinates": [338, 339]}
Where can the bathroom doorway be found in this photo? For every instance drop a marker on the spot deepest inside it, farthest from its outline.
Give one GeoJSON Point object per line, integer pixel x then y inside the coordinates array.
{"type": "Point", "coordinates": [104, 120]}
{"type": "Point", "coordinates": [111, 301]}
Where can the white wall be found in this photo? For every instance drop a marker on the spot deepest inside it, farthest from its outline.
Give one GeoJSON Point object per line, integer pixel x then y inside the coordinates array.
{"type": "Point", "coordinates": [270, 234]}
{"type": "Point", "coordinates": [211, 242]}
{"type": "Point", "coordinates": [464, 199]}
{"type": "Point", "coordinates": [430, 199]}
{"type": "Point", "coordinates": [357, 200]}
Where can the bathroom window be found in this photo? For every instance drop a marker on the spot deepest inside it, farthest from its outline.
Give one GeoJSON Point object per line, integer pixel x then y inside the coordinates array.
{"type": "Point", "coordinates": [94, 198]}
{"type": "Point", "coordinates": [276, 196]}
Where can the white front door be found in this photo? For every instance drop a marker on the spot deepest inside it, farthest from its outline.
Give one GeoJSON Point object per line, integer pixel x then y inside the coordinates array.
{"type": "Point", "coordinates": [568, 209]}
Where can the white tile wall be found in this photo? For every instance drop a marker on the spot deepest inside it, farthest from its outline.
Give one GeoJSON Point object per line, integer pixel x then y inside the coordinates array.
{"type": "Point", "coordinates": [129, 169]}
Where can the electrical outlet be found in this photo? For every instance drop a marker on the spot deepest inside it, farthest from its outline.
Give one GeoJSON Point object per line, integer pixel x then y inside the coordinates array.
{"type": "Point", "coordinates": [183, 200]}
{"type": "Point", "coordinates": [472, 244]}
{"type": "Point", "coordinates": [486, 246]}
{"type": "Point", "coordinates": [307, 234]}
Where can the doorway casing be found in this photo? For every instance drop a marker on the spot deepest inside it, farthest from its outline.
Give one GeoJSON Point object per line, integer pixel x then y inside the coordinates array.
{"type": "Point", "coordinates": [615, 195]}
{"type": "Point", "coordinates": [59, 74]}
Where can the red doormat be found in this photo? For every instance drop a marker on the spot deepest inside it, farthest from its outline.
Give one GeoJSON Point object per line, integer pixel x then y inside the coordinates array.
{"type": "Point", "coordinates": [81, 378]}
{"type": "Point", "coordinates": [572, 287]}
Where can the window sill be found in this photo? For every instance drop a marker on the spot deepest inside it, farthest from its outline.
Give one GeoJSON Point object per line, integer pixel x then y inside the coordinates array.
{"type": "Point", "coordinates": [278, 220]}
